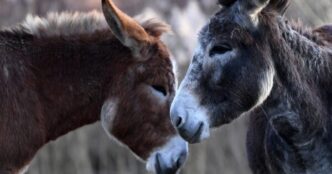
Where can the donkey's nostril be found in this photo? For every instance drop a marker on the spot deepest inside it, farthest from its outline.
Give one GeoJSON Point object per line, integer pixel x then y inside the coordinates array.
{"type": "Point", "coordinates": [178, 116]}
{"type": "Point", "coordinates": [178, 121]}
{"type": "Point", "coordinates": [181, 160]}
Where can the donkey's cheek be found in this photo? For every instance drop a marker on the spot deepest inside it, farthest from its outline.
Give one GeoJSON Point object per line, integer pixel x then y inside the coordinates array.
{"type": "Point", "coordinates": [266, 84]}
{"type": "Point", "coordinates": [108, 113]}
{"type": "Point", "coordinates": [24, 169]}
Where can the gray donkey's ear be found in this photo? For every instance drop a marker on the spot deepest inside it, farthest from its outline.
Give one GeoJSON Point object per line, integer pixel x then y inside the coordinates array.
{"type": "Point", "coordinates": [252, 7]}
{"type": "Point", "coordinates": [226, 3]}
{"type": "Point", "coordinates": [279, 6]}
{"type": "Point", "coordinates": [129, 32]}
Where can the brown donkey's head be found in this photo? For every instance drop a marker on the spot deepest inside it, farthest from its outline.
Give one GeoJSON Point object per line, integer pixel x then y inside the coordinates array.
{"type": "Point", "coordinates": [136, 111]}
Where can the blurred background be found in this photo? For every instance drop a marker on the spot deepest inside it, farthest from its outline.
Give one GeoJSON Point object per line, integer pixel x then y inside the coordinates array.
{"type": "Point", "coordinates": [89, 151]}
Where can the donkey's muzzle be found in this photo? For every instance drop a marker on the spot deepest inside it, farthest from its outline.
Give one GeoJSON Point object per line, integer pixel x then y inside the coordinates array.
{"type": "Point", "coordinates": [189, 118]}
{"type": "Point", "coordinates": [191, 132]}
{"type": "Point", "coordinates": [169, 158]}
{"type": "Point", "coordinates": [162, 168]}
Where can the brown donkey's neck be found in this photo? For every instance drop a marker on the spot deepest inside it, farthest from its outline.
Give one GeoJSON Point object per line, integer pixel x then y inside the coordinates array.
{"type": "Point", "coordinates": [72, 76]}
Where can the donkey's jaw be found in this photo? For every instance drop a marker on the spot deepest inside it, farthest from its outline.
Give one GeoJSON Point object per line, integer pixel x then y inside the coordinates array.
{"type": "Point", "coordinates": [24, 169]}
{"type": "Point", "coordinates": [169, 158]}
{"type": "Point", "coordinates": [108, 113]}
{"type": "Point", "coordinates": [190, 118]}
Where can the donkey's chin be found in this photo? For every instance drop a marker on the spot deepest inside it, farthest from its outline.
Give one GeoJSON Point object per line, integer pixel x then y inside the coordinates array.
{"type": "Point", "coordinates": [169, 158]}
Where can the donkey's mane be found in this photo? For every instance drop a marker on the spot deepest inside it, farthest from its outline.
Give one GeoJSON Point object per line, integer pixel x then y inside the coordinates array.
{"type": "Point", "coordinates": [63, 24]}
{"type": "Point", "coordinates": [75, 23]}
{"type": "Point", "coordinates": [302, 57]}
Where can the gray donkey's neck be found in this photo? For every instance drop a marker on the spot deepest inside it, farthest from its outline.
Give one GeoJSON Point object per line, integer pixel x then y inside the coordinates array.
{"type": "Point", "coordinates": [302, 68]}
{"type": "Point", "coordinates": [315, 59]}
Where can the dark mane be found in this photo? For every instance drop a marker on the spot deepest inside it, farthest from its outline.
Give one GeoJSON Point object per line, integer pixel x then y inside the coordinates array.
{"type": "Point", "coordinates": [302, 62]}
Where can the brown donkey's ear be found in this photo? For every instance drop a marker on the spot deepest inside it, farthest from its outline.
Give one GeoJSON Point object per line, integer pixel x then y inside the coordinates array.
{"type": "Point", "coordinates": [125, 28]}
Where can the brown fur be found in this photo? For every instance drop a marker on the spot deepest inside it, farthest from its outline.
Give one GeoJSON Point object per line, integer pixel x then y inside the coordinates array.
{"type": "Point", "coordinates": [54, 84]}
{"type": "Point", "coordinates": [325, 34]}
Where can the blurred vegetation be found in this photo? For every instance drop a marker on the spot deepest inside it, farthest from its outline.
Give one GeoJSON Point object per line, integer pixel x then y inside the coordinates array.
{"type": "Point", "coordinates": [89, 151]}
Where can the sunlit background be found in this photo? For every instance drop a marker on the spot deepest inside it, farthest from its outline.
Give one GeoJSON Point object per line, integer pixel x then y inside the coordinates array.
{"type": "Point", "coordinates": [89, 151]}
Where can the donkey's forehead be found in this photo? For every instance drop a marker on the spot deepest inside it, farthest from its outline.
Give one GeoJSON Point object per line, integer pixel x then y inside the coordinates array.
{"type": "Point", "coordinates": [238, 15]}
{"type": "Point", "coordinates": [222, 25]}
{"type": "Point", "coordinates": [216, 32]}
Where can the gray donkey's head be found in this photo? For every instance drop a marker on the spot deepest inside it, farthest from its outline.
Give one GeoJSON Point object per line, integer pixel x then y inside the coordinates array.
{"type": "Point", "coordinates": [232, 69]}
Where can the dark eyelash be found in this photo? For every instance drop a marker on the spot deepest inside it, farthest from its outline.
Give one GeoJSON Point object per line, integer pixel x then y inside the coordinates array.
{"type": "Point", "coordinates": [219, 49]}
{"type": "Point", "coordinates": [160, 89]}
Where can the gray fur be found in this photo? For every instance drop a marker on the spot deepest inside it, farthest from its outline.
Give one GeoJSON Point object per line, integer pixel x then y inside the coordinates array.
{"type": "Point", "coordinates": [277, 72]}
{"type": "Point", "coordinates": [315, 57]}
{"type": "Point", "coordinates": [64, 24]}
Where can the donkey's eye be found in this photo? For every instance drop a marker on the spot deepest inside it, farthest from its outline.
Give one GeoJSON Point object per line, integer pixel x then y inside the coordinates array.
{"type": "Point", "coordinates": [160, 89]}
{"type": "Point", "coordinates": [219, 49]}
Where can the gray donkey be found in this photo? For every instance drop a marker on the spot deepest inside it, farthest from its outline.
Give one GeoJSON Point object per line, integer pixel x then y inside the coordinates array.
{"type": "Point", "coordinates": [250, 59]}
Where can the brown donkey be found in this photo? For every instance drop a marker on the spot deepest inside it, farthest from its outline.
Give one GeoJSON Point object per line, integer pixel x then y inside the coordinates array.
{"type": "Point", "coordinates": [68, 70]}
